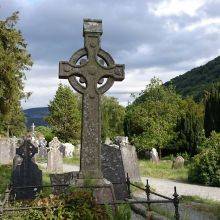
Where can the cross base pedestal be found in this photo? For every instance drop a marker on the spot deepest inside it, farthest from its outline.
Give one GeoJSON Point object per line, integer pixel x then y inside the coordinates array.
{"type": "Point", "coordinates": [102, 189]}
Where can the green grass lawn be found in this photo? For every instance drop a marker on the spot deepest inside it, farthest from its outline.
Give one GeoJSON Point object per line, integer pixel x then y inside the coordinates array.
{"type": "Point", "coordinates": [162, 170]}
{"type": "Point", "coordinates": [5, 176]}
{"type": "Point", "coordinates": [73, 160]}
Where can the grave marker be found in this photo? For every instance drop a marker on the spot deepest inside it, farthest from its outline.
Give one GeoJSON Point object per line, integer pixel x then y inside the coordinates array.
{"type": "Point", "coordinates": [55, 157]}
{"type": "Point", "coordinates": [26, 174]}
{"type": "Point", "coordinates": [91, 65]}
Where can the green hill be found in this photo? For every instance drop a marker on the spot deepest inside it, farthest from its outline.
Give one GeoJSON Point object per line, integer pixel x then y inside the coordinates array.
{"type": "Point", "coordinates": [36, 116]}
{"type": "Point", "coordinates": [196, 81]}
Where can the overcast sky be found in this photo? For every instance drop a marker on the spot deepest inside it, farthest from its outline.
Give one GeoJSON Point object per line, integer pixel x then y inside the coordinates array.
{"type": "Point", "coordinates": [162, 38]}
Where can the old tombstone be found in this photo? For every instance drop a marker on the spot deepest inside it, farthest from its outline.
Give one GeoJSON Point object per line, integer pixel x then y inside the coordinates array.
{"type": "Point", "coordinates": [108, 141]}
{"type": "Point", "coordinates": [178, 162]}
{"type": "Point", "coordinates": [62, 149]}
{"type": "Point", "coordinates": [26, 174]}
{"type": "Point", "coordinates": [69, 149]}
{"type": "Point", "coordinates": [86, 71]}
{"type": "Point", "coordinates": [62, 179]}
{"type": "Point", "coordinates": [129, 158]}
{"type": "Point", "coordinates": [113, 169]}
{"type": "Point", "coordinates": [13, 147]}
{"type": "Point", "coordinates": [154, 155]}
{"type": "Point", "coordinates": [55, 157]}
{"type": "Point", "coordinates": [7, 150]}
{"type": "Point", "coordinates": [42, 148]}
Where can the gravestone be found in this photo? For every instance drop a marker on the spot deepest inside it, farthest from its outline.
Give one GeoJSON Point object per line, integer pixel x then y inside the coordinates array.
{"type": "Point", "coordinates": [69, 149]}
{"type": "Point", "coordinates": [108, 141]}
{"type": "Point", "coordinates": [62, 179]}
{"type": "Point", "coordinates": [27, 173]}
{"type": "Point", "coordinates": [62, 149]}
{"type": "Point", "coordinates": [86, 71]}
{"type": "Point", "coordinates": [42, 149]}
{"type": "Point", "coordinates": [154, 155]}
{"type": "Point", "coordinates": [129, 158]}
{"type": "Point", "coordinates": [113, 169]}
{"type": "Point", "coordinates": [7, 150]}
{"type": "Point", "coordinates": [55, 157]}
{"type": "Point", "coordinates": [178, 162]}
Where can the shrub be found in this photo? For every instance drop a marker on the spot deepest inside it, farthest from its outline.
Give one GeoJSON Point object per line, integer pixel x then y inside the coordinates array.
{"type": "Point", "coordinates": [75, 204]}
{"type": "Point", "coordinates": [205, 168]}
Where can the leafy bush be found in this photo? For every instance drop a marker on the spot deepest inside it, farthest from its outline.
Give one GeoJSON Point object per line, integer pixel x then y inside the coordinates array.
{"type": "Point", "coordinates": [76, 204]}
{"type": "Point", "coordinates": [205, 168]}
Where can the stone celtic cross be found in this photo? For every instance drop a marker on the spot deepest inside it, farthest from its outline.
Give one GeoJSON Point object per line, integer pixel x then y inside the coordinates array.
{"type": "Point", "coordinates": [91, 71]}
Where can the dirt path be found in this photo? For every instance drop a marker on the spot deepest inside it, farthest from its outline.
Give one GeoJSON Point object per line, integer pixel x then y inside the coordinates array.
{"type": "Point", "coordinates": [166, 187]}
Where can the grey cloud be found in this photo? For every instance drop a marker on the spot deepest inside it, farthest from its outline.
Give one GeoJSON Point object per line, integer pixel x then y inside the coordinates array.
{"type": "Point", "coordinates": [53, 31]}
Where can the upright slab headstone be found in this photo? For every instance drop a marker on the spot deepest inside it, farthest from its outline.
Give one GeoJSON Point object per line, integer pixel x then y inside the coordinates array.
{"type": "Point", "coordinates": [42, 149]}
{"type": "Point", "coordinates": [5, 146]}
{"type": "Point", "coordinates": [27, 173]}
{"type": "Point", "coordinates": [91, 65]}
{"type": "Point", "coordinates": [13, 147]}
{"type": "Point", "coordinates": [7, 150]}
{"type": "Point", "coordinates": [129, 157]}
{"type": "Point", "coordinates": [178, 162]}
{"type": "Point", "coordinates": [69, 149]}
{"type": "Point", "coordinates": [55, 157]}
{"type": "Point", "coordinates": [113, 169]}
{"type": "Point", "coordinates": [154, 155]}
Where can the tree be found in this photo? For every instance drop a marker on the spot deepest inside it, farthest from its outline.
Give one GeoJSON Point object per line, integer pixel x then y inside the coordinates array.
{"type": "Point", "coordinates": [46, 132]}
{"type": "Point", "coordinates": [151, 118]}
{"type": "Point", "coordinates": [14, 60]}
{"type": "Point", "coordinates": [189, 128]}
{"type": "Point", "coordinates": [212, 109]}
{"type": "Point", "coordinates": [64, 115]}
{"type": "Point", "coordinates": [112, 117]}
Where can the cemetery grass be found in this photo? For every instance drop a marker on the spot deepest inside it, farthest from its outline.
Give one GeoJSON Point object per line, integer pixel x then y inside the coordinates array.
{"type": "Point", "coordinates": [163, 170]}
{"type": "Point", "coordinates": [72, 160]}
{"type": "Point", "coordinates": [5, 176]}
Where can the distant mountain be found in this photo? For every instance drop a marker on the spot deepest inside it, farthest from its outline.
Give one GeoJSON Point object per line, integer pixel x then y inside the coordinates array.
{"type": "Point", "coordinates": [36, 116]}
{"type": "Point", "coordinates": [196, 81]}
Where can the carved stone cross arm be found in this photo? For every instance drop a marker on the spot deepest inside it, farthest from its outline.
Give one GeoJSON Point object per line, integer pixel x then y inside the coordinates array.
{"type": "Point", "coordinates": [86, 71]}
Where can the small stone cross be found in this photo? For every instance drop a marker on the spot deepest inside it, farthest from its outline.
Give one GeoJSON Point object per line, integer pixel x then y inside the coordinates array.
{"type": "Point", "coordinates": [32, 128]}
{"type": "Point", "coordinates": [86, 71]}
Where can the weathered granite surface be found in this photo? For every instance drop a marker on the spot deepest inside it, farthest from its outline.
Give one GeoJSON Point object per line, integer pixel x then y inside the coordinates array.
{"type": "Point", "coordinates": [113, 169]}
{"type": "Point", "coordinates": [55, 157]}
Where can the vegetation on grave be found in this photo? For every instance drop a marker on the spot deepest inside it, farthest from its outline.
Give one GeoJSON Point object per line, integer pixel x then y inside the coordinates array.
{"type": "Point", "coordinates": [163, 170]}
{"type": "Point", "coordinates": [15, 60]}
{"type": "Point", "coordinates": [196, 81]}
{"type": "Point", "coordinates": [5, 176]}
{"type": "Point", "coordinates": [205, 167]}
{"type": "Point", "coordinates": [76, 204]}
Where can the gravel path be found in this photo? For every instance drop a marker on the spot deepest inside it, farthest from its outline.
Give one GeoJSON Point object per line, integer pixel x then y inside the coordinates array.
{"type": "Point", "coordinates": [66, 167]}
{"type": "Point", "coordinates": [166, 187]}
